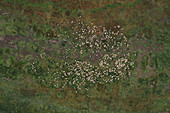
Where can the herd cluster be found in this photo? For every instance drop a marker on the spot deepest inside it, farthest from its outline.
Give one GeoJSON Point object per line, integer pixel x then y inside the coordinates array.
{"type": "Point", "coordinates": [79, 74]}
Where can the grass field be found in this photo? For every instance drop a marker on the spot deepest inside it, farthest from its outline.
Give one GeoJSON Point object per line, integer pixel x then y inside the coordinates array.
{"type": "Point", "coordinates": [84, 56]}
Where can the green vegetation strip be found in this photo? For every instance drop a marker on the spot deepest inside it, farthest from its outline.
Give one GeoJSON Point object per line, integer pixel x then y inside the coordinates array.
{"type": "Point", "coordinates": [127, 5]}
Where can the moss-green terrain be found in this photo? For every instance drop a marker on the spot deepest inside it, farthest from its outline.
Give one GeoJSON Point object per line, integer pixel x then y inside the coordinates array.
{"type": "Point", "coordinates": [84, 56]}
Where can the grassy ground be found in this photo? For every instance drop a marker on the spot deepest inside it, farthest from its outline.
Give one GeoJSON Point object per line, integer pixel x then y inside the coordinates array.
{"type": "Point", "coordinates": [84, 56]}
